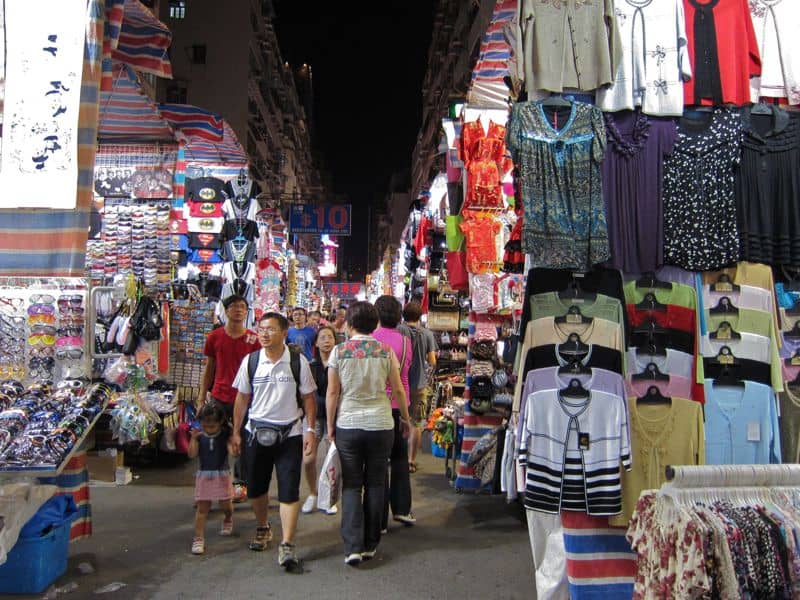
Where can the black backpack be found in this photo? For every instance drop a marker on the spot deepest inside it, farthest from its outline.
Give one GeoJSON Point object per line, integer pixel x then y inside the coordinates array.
{"type": "Point", "coordinates": [294, 364]}
{"type": "Point", "coordinates": [146, 321]}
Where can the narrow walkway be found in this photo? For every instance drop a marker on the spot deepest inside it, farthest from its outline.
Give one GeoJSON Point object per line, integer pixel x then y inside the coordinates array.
{"type": "Point", "coordinates": [463, 547]}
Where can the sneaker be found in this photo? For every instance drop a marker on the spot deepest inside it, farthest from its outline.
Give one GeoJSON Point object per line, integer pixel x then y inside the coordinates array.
{"type": "Point", "coordinates": [262, 538]}
{"type": "Point", "coordinates": [287, 557]}
{"type": "Point", "coordinates": [198, 546]}
{"type": "Point", "coordinates": [368, 554]}
{"type": "Point", "coordinates": [332, 510]}
{"type": "Point", "coordinates": [310, 505]}
{"type": "Point", "coordinates": [384, 531]}
{"type": "Point", "coordinates": [227, 527]}
{"type": "Point", "coordinates": [352, 559]}
{"type": "Point", "coordinates": [407, 520]}
{"type": "Point", "coordinates": [239, 492]}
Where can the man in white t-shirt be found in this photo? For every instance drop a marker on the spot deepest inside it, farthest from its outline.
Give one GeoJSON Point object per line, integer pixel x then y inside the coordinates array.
{"type": "Point", "coordinates": [270, 398]}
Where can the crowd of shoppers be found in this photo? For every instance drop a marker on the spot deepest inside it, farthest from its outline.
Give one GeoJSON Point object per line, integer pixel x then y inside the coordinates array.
{"type": "Point", "coordinates": [272, 396]}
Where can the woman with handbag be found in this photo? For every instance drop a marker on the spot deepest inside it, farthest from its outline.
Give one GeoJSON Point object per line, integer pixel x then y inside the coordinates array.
{"type": "Point", "coordinates": [398, 483]}
{"type": "Point", "coordinates": [359, 415]}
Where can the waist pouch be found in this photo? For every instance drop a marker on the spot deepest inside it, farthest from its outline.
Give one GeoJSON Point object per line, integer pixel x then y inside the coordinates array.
{"type": "Point", "coordinates": [269, 434]}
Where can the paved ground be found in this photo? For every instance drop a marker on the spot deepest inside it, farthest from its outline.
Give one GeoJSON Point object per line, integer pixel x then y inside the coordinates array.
{"type": "Point", "coordinates": [463, 547]}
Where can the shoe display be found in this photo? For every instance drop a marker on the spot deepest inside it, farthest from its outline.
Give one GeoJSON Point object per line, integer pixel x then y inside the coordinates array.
{"type": "Point", "coordinates": [309, 506]}
{"type": "Point", "coordinates": [352, 559]}
{"type": "Point", "coordinates": [287, 557]}
{"type": "Point", "coordinates": [407, 520]}
{"type": "Point", "coordinates": [262, 538]}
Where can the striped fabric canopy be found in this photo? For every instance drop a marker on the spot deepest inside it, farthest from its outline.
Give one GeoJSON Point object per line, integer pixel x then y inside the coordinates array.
{"type": "Point", "coordinates": [143, 40]}
{"type": "Point", "coordinates": [127, 114]}
{"type": "Point", "coordinates": [193, 122]}
{"type": "Point", "coordinates": [115, 12]}
{"type": "Point", "coordinates": [227, 153]}
{"type": "Point", "coordinates": [487, 89]}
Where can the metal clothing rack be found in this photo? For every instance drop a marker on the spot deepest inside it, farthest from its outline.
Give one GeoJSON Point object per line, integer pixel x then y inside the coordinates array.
{"type": "Point", "coordinates": [731, 476]}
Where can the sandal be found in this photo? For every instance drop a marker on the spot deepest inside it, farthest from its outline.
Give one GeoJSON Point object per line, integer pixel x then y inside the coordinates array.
{"type": "Point", "coordinates": [262, 538]}
{"type": "Point", "coordinates": [198, 546]}
{"type": "Point", "coordinates": [227, 527]}
{"type": "Point", "coordinates": [412, 467]}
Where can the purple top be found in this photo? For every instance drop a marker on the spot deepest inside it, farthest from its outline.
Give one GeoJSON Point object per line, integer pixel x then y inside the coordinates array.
{"type": "Point", "coordinates": [396, 340]}
{"type": "Point", "coordinates": [633, 176]}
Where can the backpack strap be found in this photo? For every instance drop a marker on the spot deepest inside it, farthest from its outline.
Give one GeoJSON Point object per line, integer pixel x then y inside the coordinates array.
{"type": "Point", "coordinates": [252, 364]}
{"type": "Point", "coordinates": [294, 363]}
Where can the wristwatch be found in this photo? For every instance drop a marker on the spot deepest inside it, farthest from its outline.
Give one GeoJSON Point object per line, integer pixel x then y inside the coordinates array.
{"type": "Point", "coordinates": [311, 430]}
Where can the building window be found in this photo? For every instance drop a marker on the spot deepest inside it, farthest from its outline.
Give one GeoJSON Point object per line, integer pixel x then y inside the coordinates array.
{"type": "Point", "coordinates": [177, 9]}
{"type": "Point", "coordinates": [199, 54]}
{"type": "Point", "coordinates": [177, 92]}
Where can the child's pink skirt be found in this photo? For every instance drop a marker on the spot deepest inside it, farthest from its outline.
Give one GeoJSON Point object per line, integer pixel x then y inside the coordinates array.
{"type": "Point", "coordinates": [213, 485]}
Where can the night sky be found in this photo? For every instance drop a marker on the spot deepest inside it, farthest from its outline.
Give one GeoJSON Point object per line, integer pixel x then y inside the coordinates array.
{"type": "Point", "coordinates": [368, 60]}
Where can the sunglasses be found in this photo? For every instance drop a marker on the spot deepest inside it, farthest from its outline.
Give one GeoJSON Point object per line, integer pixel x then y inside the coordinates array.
{"type": "Point", "coordinates": [42, 319]}
{"type": "Point", "coordinates": [41, 309]}
{"type": "Point", "coordinates": [46, 362]}
{"type": "Point", "coordinates": [42, 352]}
{"type": "Point", "coordinates": [12, 322]}
{"type": "Point", "coordinates": [41, 299]}
{"type": "Point", "coordinates": [69, 353]}
{"type": "Point", "coordinates": [76, 300]}
{"type": "Point", "coordinates": [12, 302]}
{"type": "Point", "coordinates": [43, 330]}
{"type": "Point", "coordinates": [69, 341]}
{"type": "Point", "coordinates": [70, 310]}
{"type": "Point", "coordinates": [72, 321]}
{"type": "Point", "coordinates": [42, 340]}
{"type": "Point", "coordinates": [71, 331]}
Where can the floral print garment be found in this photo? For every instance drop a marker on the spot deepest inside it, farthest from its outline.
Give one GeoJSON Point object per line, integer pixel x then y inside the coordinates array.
{"type": "Point", "coordinates": [564, 220]}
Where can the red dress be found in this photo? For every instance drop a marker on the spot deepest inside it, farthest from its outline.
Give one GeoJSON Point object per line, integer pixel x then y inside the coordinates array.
{"type": "Point", "coordinates": [726, 75]}
{"type": "Point", "coordinates": [485, 161]}
{"type": "Point", "coordinates": [481, 245]}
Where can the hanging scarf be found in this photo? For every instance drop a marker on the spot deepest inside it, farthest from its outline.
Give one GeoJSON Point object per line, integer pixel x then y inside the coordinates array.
{"type": "Point", "coordinates": [707, 78]}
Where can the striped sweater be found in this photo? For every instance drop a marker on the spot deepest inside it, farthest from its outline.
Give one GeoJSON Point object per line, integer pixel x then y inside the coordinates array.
{"type": "Point", "coordinates": [571, 450]}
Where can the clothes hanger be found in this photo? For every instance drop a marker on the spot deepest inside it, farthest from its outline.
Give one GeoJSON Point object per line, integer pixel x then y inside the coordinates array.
{"type": "Point", "coordinates": [725, 331]}
{"type": "Point", "coordinates": [557, 101]}
{"type": "Point", "coordinates": [654, 396]}
{"type": "Point", "coordinates": [648, 280]}
{"type": "Point", "coordinates": [575, 390]}
{"type": "Point", "coordinates": [725, 357]}
{"type": "Point", "coordinates": [573, 316]}
{"type": "Point", "coordinates": [725, 284]}
{"type": "Point", "coordinates": [728, 379]}
{"type": "Point", "coordinates": [574, 367]}
{"type": "Point", "coordinates": [651, 373]}
{"type": "Point", "coordinates": [573, 291]}
{"type": "Point", "coordinates": [651, 349]}
{"type": "Point", "coordinates": [650, 327]}
{"type": "Point", "coordinates": [724, 307]}
{"type": "Point", "coordinates": [650, 302]}
{"type": "Point", "coordinates": [573, 346]}
{"type": "Point", "coordinates": [794, 333]}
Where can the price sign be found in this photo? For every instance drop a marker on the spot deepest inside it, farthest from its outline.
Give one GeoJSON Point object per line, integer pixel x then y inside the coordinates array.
{"type": "Point", "coordinates": [321, 219]}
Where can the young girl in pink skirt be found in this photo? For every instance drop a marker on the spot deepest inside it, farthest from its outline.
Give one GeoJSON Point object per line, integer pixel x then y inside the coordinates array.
{"type": "Point", "coordinates": [213, 481]}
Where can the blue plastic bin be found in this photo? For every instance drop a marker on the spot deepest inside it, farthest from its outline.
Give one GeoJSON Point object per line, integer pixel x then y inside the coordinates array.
{"type": "Point", "coordinates": [35, 563]}
{"type": "Point", "coordinates": [437, 450]}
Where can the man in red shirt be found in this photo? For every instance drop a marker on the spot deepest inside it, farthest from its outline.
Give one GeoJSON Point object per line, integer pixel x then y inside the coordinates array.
{"type": "Point", "coordinates": [225, 349]}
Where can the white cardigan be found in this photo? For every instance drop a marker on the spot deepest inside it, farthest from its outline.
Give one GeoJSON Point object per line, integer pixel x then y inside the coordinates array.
{"type": "Point", "coordinates": [777, 27]}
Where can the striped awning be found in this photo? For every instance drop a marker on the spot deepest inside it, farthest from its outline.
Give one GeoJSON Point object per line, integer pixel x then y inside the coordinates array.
{"type": "Point", "coordinates": [193, 121]}
{"type": "Point", "coordinates": [143, 41]}
{"type": "Point", "coordinates": [228, 152]}
{"type": "Point", "coordinates": [127, 114]}
{"type": "Point", "coordinates": [487, 88]}
{"type": "Point", "coordinates": [115, 12]}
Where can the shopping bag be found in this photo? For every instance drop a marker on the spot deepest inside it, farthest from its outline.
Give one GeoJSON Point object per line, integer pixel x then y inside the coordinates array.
{"type": "Point", "coordinates": [329, 485]}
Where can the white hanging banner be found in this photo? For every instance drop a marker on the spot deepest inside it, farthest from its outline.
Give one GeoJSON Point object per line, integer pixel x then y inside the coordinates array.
{"type": "Point", "coordinates": [43, 68]}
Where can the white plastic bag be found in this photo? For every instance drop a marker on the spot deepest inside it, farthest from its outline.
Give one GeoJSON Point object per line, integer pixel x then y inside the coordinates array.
{"type": "Point", "coordinates": [330, 480]}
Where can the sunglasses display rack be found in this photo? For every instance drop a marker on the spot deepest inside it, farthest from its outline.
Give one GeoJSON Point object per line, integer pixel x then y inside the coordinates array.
{"type": "Point", "coordinates": [42, 329]}
{"type": "Point", "coordinates": [42, 426]}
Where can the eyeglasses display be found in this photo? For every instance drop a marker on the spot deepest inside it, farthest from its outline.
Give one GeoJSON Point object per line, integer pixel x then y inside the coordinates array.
{"type": "Point", "coordinates": [41, 425]}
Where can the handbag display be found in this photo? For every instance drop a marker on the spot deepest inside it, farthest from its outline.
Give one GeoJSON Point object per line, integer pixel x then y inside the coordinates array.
{"type": "Point", "coordinates": [439, 320]}
{"type": "Point", "coordinates": [457, 275]}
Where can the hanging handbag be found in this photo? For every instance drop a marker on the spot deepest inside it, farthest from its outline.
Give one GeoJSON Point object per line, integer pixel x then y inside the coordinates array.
{"type": "Point", "coordinates": [457, 274]}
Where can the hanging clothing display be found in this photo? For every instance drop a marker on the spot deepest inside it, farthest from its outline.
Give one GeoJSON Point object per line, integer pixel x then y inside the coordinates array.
{"type": "Point", "coordinates": [767, 184]}
{"type": "Point", "coordinates": [700, 226]}
{"type": "Point", "coordinates": [776, 23]}
{"type": "Point", "coordinates": [567, 44]}
{"type": "Point", "coordinates": [484, 158]}
{"type": "Point", "coordinates": [655, 60]}
{"type": "Point", "coordinates": [723, 51]}
{"type": "Point", "coordinates": [564, 222]}
{"type": "Point", "coordinates": [633, 173]}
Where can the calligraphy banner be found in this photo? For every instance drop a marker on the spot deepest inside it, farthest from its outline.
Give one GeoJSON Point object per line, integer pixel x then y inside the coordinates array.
{"type": "Point", "coordinates": [43, 69]}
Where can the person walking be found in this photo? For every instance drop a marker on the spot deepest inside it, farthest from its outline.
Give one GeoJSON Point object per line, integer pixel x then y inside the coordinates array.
{"type": "Point", "coordinates": [213, 481]}
{"type": "Point", "coordinates": [315, 320]}
{"type": "Point", "coordinates": [340, 325]}
{"type": "Point", "coordinates": [274, 393]}
{"type": "Point", "coordinates": [423, 351]}
{"type": "Point", "coordinates": [301, 334]}
{"type": "Point", "coordinates": [398, 483]}
{"type": "Point", "coordinates": [224, 350]}
{"type": "Point", "coordinates": [324, 343]}
{"type": "Point", "coordinates": [360, 422]}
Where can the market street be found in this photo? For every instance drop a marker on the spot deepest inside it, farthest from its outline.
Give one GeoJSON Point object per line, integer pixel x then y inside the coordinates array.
{"type": "Point", "coordinates": [464, 546]}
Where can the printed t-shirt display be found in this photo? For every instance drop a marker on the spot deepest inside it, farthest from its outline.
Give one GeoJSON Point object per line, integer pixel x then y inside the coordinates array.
{"type": "Point", "coordinates": [741, 425]}
{"type": "Point", "coordinates": [655, 61]}
{"type": "Point", "coordinates": [560, 188]}
{"type": "Point", "coordinates": [633, 174]}
{"type": "Point", "coordinates": [661, 435]}
{"type": "Point", "coordinates": [204, 189]}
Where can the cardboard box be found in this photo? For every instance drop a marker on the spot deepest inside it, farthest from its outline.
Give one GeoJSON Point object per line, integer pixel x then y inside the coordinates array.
{"type": "Point", "coordinates": [103, 465]}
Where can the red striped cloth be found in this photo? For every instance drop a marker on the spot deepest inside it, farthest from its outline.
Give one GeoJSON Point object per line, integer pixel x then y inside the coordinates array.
{"type": "Point", "coordinates": [143, 41]}
{"type": "Point", "coordinates": [74, 481]}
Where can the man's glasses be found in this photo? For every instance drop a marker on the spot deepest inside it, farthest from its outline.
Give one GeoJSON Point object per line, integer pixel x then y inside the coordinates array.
{"type": "Point", "coordinates": [41, 299]}
{"type": "Point", "coordinates": [269, 330]}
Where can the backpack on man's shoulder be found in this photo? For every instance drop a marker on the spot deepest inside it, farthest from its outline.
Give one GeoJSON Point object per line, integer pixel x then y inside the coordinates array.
{"type": "Point", "coordinates": [418, 352]}
{"type": "Point", "coordinates": [294, 364]}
